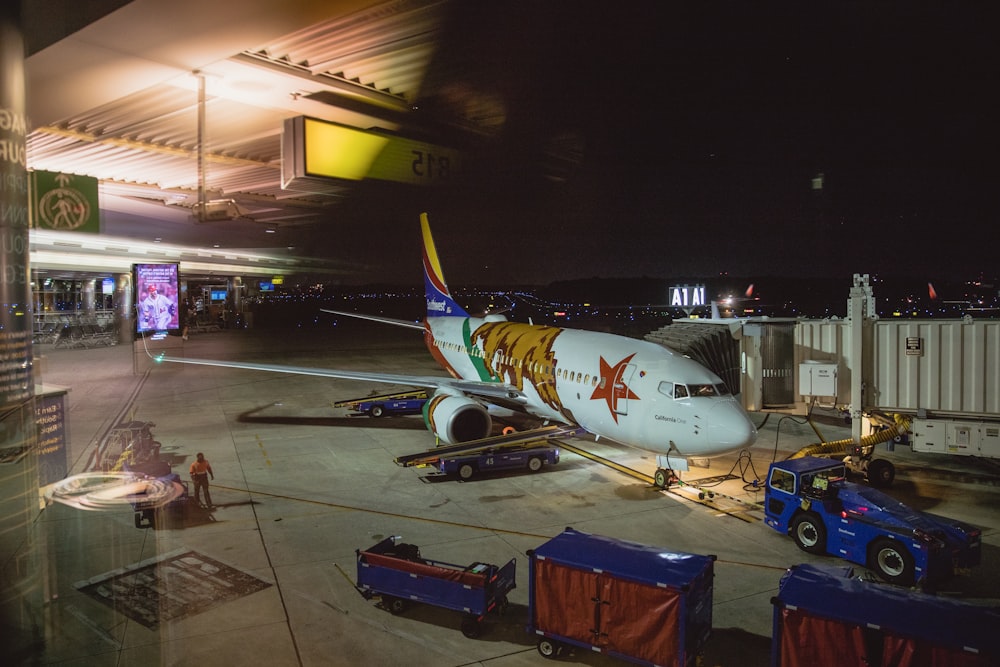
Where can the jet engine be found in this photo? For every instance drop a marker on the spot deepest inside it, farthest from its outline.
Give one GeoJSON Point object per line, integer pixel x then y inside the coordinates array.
{"type": "Point", "coordinates": [457, 419]}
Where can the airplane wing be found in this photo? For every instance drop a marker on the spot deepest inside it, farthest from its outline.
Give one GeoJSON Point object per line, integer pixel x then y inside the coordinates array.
{"type": "Point", "coordinates": [500, 393]}
{"type": "Point", "coordinates": [376, 318]}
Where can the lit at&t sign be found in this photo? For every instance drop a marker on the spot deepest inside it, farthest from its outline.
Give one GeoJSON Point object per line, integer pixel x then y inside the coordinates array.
{"type": "Point", "coordinates": [687, 296]}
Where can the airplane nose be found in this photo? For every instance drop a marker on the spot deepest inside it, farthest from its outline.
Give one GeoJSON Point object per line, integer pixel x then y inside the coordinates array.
{"type": "Point", "coordinates": [729, 427]}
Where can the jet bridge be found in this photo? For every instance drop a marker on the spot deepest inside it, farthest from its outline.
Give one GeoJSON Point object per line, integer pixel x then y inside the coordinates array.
{"type": "Point", "coordinates": [941, 377]}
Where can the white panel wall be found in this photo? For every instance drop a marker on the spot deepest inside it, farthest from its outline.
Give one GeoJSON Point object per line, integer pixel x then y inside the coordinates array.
{"type": "Point", "coordinates": [826, 341]}
{"type": "Point", "coordinates": [955, 372]}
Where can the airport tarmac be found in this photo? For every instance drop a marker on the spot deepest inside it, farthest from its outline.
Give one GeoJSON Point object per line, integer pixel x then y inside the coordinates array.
{"type": "Point", "coordinates": [268, 574]}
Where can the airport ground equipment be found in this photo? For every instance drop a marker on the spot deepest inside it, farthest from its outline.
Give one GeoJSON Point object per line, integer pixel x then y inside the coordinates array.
{"type": "Point", "coordinates": [398, 404]}
{"type": "Point", "coordinates": [824, 613]}
{"type": "Point", "coordinates": [128, 444]}
{"type": "Point", "coordinates": [526, 456]}
{"type": "Point", "coordinates": [810, 499]}
{"type": "Point", "coordinates": [639, 603]}
{"type": "Point", "coordinates": [149, 515]}
{"type": "Point", "coordinates": [150, 510]}
{"type": "Point", "coordinates": [537, 436]}
{"type": "Point", "coordinates": [396, 572]}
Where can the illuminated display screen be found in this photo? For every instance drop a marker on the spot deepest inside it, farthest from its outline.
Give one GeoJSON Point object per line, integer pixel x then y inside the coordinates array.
{"type": "Point", "coordinates": [218, 295]}
{"type": "Point", "coordinates": [156, 297]}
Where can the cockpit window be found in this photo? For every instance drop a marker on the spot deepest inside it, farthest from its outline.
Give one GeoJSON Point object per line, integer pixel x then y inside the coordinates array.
{"type": "Point", "coordinates": [680, 391]}
{"type": "Point", "coordinates": [702, 390]}
{"type": "Point", "coordinates": [666, 388]}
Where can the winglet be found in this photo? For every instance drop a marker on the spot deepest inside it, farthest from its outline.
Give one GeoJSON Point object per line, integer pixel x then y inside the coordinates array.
{"type": "Point", "coordinates": [439, 301]}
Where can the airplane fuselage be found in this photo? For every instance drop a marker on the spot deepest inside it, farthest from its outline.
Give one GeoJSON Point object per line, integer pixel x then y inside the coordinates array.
{"type": "Point", "coordinates": [629, 390]}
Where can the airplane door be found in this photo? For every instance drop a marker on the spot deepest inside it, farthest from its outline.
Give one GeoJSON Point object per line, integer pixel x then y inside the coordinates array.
{"type": "Point", "coordinates": [621, 391]}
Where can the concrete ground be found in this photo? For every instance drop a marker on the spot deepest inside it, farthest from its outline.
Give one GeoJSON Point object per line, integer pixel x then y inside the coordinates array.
{"type": "Point", "coordinates": [267, 576]}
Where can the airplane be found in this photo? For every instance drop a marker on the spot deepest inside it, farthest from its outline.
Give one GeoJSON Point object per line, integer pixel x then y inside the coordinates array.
{"type": "Point", "coordinates": [630, 391]}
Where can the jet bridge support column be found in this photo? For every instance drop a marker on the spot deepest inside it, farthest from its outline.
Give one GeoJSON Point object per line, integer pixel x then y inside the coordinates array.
{"type": "Point", "coordinates": [860, 310]}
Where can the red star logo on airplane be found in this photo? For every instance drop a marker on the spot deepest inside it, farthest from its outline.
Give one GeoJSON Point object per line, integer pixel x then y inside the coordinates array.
{"type": "Point", "coordinates": [611, 387]}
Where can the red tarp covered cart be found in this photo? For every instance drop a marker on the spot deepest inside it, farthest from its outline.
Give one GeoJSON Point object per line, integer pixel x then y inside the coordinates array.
{"type": "Point", "coordinates": [636, 602]}
{"type": "Point", "coordinates": [826, 615]}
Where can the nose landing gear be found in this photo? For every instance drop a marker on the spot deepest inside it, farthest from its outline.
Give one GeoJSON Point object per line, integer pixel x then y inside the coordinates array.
{"type": "Point", "coordinates": [664, 477]}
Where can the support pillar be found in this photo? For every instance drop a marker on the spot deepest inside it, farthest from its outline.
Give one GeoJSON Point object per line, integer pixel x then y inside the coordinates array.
{"type": "Point", "coordinates": [88, 294]}
{"type": "Point", "coordinates": [20, 589]}
{"type": "Point", "coordinates": [124, 308]}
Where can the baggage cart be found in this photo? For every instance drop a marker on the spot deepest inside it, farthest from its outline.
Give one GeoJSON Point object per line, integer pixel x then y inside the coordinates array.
{"type": "Point", "coordinates": [824, 613]}
{"type": "Point", "coordinates": [639, 603]}
{"type": "Point", "coordinates": [398, 574]}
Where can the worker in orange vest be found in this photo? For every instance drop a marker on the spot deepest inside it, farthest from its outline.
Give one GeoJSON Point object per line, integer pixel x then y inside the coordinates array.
{"type": "Point", "coordinates": [201, 469]}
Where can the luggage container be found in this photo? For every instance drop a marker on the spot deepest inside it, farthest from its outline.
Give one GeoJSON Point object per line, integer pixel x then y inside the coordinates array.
{"type": "Point", "coordinates": [826, 614]}
{"type": "Point", "coordinates": [398, 574]}
{"type": "Point", "coordinates": [640, 603]}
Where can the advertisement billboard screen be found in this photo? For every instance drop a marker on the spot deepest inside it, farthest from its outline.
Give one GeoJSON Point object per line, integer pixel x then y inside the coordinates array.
{"type": "Point", "coordinates": [156, 297]}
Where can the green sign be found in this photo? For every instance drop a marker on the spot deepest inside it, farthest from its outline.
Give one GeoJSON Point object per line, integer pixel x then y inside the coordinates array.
{"type": "Point", "coordinates": [64, 202]}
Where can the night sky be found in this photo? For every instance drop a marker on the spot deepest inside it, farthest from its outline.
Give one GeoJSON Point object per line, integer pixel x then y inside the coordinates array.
{"type": "Point", "coordinates": [662, 139]}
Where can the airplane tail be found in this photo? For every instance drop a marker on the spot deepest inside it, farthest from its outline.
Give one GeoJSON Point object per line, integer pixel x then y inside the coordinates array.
{"type": "Point", "coordinates": [439, 301]}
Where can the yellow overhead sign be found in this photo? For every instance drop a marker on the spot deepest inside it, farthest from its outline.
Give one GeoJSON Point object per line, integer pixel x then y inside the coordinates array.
{"type": "Point", "coordinates": [336, 151]}
{"type": "Point", "coordinates": [316, 151]}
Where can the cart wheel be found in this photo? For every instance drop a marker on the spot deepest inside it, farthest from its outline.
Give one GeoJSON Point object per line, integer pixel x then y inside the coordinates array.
{"type": "Point", "coordinates": [466, 471]}
{"type": "Point", "coordinates": [145, 518]}
{"type": "Point", "coordinates": [549, 649]}
{"type": "Point", "coordinates": [534, 464]}
{"type": "Point", "coordinates": [393, 604]}
{"type": "Point", "coordinates": [502, 605]}
{"type": "Point", "coordinates": [471, 627]}
{"type": "Point", "coordinates": [660, 478]}
{"type": "Point", "coordinates": [377, 411]}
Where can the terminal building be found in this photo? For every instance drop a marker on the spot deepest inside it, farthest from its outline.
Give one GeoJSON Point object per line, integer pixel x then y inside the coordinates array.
{"type": "Point", "coordinates": [190, 149]}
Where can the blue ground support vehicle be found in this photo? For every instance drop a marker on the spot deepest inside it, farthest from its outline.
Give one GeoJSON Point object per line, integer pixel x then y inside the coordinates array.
{"type": "Point", "coordinates": [529, 456]}
{"type": "Point", "coordinates": [404, 403]}
{"type": "Point", "coordinates": [399, 575]}
{"type": "Point", "coordinates": [632, 601]}
{"type": "Point", "coordinates": [810, 499]}
{"type": "Point", "coordinates": [406, 406]}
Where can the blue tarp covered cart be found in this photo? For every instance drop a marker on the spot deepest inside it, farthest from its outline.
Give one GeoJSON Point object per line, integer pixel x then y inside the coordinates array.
{"type": "Point", "coordinates": [636, 602]}
{"type": "Point", "coordinates": [824, 613]}
{"type": "Point", "coordinates": [398, 575]}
